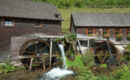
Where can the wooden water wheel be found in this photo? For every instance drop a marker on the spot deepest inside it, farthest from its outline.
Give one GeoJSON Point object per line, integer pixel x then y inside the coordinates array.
{"type": "Point", "coordinates": [103, 51]}
{"type": "Point", "coordinates": [38, 51]}
{"type": "Point", "coordinates": [35, 48]}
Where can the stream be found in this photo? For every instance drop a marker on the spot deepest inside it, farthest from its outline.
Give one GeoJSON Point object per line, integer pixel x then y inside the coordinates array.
{"type": "Point", "coordinates": [57, 73]}
{"type": "Point", "coordinates": [54, 74]}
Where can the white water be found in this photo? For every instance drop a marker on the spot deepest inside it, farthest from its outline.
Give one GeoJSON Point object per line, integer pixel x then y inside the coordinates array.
{"type": "Point", "coordinates": [57, 73]}
{"type": "Point", "coordinates": [121, 48]}
{"type": "Point", "coordinates": [63, 55]}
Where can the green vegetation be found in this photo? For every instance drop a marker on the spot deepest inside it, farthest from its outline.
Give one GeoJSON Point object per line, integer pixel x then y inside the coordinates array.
{"type": "Point", "coordinates": [122, 73]}
{"type": "Point", "coordinates": [119, 37]}
{"type": "Point", "coordinates": [128, 47]}
{"type": "Point", "coordinates": [76, 63]}
{"type": "Point", "coordinates": [106, 35]}
{"type": "Point", "coordinates": [83, 65]}
{"type": "Point", "coordinates": [89, 3]}
{"type": "Point", "coordinates": [7, 67]}
{"type": "Point", "coordinates": [128, 36]}
{"type": "Point", "coordinates": [66, 13]}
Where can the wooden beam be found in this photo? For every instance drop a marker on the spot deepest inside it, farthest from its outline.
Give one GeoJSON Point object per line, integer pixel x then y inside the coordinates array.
{"type": "Point", "coordinates": [30, 67]}
{"type": "Point", "coordinates": [80, 47]}
{"type": "Point", "coordinates": [51, 44]}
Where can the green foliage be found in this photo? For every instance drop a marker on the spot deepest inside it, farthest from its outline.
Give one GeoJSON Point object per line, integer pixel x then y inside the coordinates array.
{"type": "Point", "coordinates": [128, 36]}
{"type": "Point", "coordinates": [86, 74]}
{"type": "Point", "coordinates": [88, 3]}
{"type": "Point", "coordinates": [127, 48]}
{"type": "Point", "coordinates": [122, 74]}
{"type": "Point", "coordinates": [119, 37]}
{"type": "Point", "coordinates": [88, 59]}
{"type": "Point", "coordinates": [103, 65]}
{"type": "Point", "coordinates": [106, 35]}
{"type": "Point", "coordinates": [76, 63]}
{"type": "Point", "coordinates": [104, 77]}
{"type": "Point", "coordinates": [70, 37]}
{"type": "Point", "coordinates": [7, 68]}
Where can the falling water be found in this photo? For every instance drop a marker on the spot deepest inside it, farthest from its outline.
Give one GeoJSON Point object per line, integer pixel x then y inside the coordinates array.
{"type": "Point", "coordinates": [57, 73]}
{"type": "Point", "coordinates": [63, 55]}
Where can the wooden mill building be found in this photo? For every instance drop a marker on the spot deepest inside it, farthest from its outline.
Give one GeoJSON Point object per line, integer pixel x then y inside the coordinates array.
{"type": "Point", "coordinates": [98, 24]}
{"type": "Point", "coordinates": [23, 17]}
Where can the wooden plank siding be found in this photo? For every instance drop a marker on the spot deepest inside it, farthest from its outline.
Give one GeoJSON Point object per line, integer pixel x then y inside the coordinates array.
{"type": "Point", "coordinates": [24, 27]}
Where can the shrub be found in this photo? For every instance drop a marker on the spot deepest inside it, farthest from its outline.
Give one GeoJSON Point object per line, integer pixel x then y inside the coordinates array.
{"type": "Point", "coordinates": [76, 63]}
{"type": "Point", "coordinates": [119, 37]}
{"type": "Point", "coordinates": [88, 59]}
{"type": "Point", "coordinates": [128, 36]}
{"type": "Point", "coordinates": [106, 35]}
{"type": "Point", "coordinates": [7, 68]}
{"type": "Point", "coordinates": [122, 74]}
{"type": "Point", "coordinates": [128, 48]}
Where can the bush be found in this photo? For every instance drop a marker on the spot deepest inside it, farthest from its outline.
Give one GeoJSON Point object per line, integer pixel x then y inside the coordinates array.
{"type": "Point", "coordinates": [76, 63]}
{"type": "Point", "coordinates": [106, 35]}
{"type": "Point", "coordinates": [7, 68]}
{"type": "Point", "coordinates": [122, 74]}
{"type": "Point", "coordinates": [128, 36]}
{"type": "Point", "coordinates": [128, 48]}
{"type": "Point", "coordinates": [119, 37]}
{"type": "Point", "coordinates": [88, 59]}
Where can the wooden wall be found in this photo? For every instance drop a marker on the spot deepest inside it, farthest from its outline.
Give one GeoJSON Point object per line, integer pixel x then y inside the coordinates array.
{"type": "Point", "coordinates": [23, 27]}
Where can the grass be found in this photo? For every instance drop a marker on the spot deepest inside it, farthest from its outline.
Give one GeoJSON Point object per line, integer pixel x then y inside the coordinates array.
{"type": "Point", "coordinates": [128, 48]}
{"type": "Point", "coordinates": [66, 13]}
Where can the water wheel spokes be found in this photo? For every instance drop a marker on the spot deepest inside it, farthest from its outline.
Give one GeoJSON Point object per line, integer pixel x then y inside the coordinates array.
{"type": "Point", "coordinates": [34, 48]}
{"type": "Point", "coordinates": [102, 53]}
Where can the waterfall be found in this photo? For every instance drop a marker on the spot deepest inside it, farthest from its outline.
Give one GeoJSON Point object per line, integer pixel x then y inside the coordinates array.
{"type": "Point", "coordinates": [63, 55]}
{"type": "Point", "coordinates": [57, 73]}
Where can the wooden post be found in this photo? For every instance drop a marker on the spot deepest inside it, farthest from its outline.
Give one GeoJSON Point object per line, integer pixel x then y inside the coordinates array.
{"type": "Point", "coordinates": [43, 65]}
{"type": "Point", "coordinates": [80, 47]}
{"type": "Point", "coordinates": [51, 44]}
{"type": "Point", "coordinates": [30, 67]}
{"type": "Point", "coordinates": [88, 44]}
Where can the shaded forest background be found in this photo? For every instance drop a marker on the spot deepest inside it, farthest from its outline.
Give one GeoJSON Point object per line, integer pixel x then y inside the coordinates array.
{"type": "Point", "coordinates": [89, 3]}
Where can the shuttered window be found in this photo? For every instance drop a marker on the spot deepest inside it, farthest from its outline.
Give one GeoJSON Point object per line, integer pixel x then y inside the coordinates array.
{"type": "Point", "coordinates": [117, 31]}
{"type": "Point", "coordinates": [38, 24]}
{"type": "Point", "coordinates": [90, 31]}
{"type": "Point", "coordinates": [106, 31]}
{"type": "Point", "coordinates": [8, 22]}
{"type": "Point", "coordinates": [128, 31]}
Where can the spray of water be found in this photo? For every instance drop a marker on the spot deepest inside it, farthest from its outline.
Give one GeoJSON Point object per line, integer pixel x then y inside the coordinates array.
{"type": "Point", "coordinates": [57, 73]}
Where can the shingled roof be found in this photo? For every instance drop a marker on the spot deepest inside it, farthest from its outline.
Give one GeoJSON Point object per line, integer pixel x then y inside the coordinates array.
{"type": "Point", "coordinates": [101, 19]}
{"type": "Point", "coordinates": [28, 9]}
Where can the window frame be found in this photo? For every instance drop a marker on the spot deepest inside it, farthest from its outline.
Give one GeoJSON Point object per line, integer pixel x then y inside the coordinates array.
{"type": "Point", "coordinates": [8, 20]}
{"type": "Point", "coordinates": [127, 31]}
{"type": "Point", "coordinates": [40, 23]}
{"type": "Point", "coordinates": [90, 31]}
{"type": "Point", "coordinates": [119, 31]}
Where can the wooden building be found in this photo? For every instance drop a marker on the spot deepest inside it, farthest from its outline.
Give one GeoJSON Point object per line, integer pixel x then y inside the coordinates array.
{"type": "Point", "coordinates": [23, 17]}
{"type": "Point", "coordinates": [100, 24]}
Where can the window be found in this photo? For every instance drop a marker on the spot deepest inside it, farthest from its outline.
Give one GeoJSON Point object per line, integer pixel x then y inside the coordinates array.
{"type": "Point", "coordinates": [128, 31]}
{"type": "Point", "coordinates": [8, 22]}
{"type": "Point", "coordinates": [90, 31]}
{"type": "Point", "coordinates": [105, 31]}
{"type": "Point", "coordinates": [117, 31]}
{"type": "Point", "coordinates": [38, 24]}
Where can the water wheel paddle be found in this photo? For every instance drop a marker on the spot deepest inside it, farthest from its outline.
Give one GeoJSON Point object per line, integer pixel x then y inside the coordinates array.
{"type": "Point", "coordinates": [34, 48]}
{"type": "Point", "coordinates": [102, 53]}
